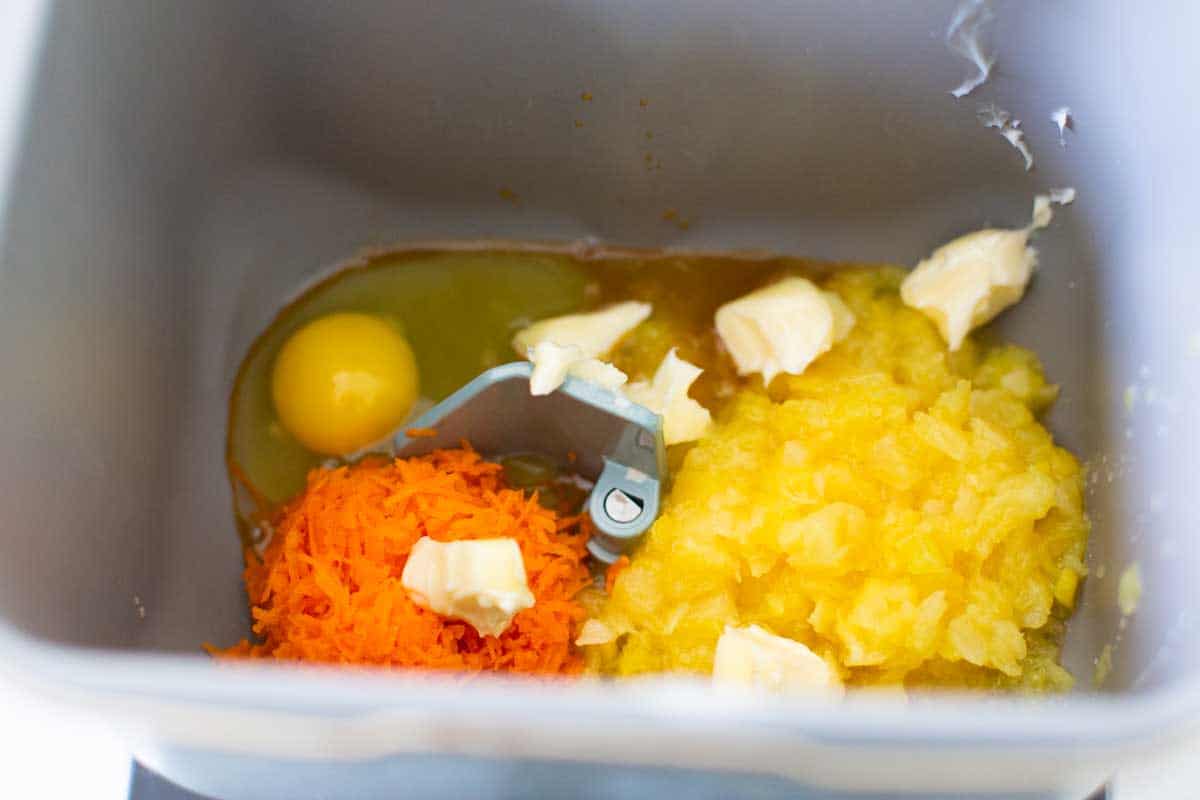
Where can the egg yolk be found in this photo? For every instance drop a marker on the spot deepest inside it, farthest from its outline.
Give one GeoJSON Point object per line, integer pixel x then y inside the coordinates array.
{"type": "Point", "coordinates": [343, 382]}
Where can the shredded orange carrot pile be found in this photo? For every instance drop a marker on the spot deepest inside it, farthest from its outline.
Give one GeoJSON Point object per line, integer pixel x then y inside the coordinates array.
{"type": "Point", "coordinates": [328, 585]}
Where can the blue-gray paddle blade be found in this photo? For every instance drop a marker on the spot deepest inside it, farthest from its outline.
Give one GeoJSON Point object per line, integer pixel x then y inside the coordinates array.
{"type": "Point", "coordinates": [582, 427]}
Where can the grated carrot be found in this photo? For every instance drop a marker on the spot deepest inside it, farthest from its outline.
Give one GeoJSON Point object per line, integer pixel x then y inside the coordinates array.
{"type": "Point", "coordinates": [614, 569]}
{"type": "Point", "coordinates": [328, 585]}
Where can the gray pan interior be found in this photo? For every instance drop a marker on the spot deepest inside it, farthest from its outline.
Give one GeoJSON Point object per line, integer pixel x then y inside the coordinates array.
{"type": "Point", "coordinates": [185, 167]}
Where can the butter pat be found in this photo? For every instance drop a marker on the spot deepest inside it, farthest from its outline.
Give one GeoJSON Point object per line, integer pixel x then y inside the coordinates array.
{"type": "Point", "coordinates": [970, 280]}
{"type": "Point", "coordinates": [684, 419]}
{"type": "Point", "coordinates": [967, 282]}
{"type": "Point", "coordinates": [552, 363]}
{"type": "Point", "coordinates": [598, 372]}
{"type": "Point", "coordinates": [573, 345]}
{"type": "Point", "coordinates": [782, 328]}
{"type": "Point", "coordinates": [480, 581]}
{"type": "Point", "coordinates": [594, 333]}
{"type": "Point", "coordinates": [751, 657]}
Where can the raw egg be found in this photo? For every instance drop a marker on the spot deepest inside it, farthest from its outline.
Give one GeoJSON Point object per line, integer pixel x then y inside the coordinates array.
{"type": "Point", "coordinates": [344, 381]}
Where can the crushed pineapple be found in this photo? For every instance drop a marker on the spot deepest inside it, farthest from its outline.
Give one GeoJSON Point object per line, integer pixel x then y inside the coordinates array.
{"type": "Point", "coordinates": [897, 508]}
